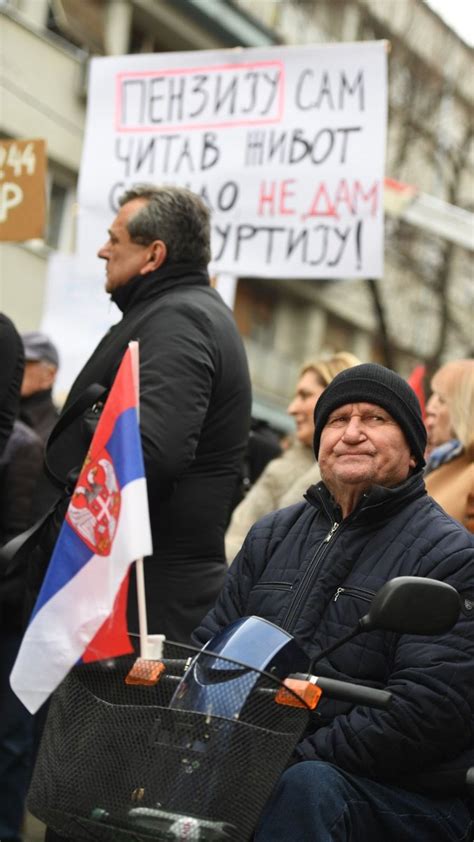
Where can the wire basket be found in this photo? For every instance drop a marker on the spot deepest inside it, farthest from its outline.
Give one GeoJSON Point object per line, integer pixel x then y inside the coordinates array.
{"type": "Point", "coordinates": [125, 763]}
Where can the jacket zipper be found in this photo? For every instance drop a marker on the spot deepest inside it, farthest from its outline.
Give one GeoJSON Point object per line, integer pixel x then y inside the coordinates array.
{"type": "Point", "coordinates": [308, 577]}
{"type": "Point", "coordinates": [360, 593]}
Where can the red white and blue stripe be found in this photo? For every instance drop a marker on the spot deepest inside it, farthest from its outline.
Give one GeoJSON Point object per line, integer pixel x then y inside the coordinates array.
{"type": "Point", "coordinates": [80, 613]}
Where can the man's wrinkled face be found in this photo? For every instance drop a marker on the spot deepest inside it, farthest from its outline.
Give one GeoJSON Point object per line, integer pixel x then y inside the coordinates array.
{"type": "Point", "coordinates": [362, 445]}
{"type": "Point", "coordinates": [125, 259]}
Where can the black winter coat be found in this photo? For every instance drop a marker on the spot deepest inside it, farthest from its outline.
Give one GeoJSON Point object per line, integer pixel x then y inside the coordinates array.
{"type": "Point", "coordinates": [20, 469]}
{"type": "Point", "coordinates": [314, 574]}
{"type": "Point", "coordinates": [11, 375]}
{"type": "Point", "coordinates": [39, 412]}
{"type": "Point", "coordinates": [194, 420]}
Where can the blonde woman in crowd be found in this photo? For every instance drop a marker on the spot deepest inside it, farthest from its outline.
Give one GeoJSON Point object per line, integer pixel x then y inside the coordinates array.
{"type": "Point", "coordinates": [449, 475]}
{"type": "Point", "coordinates": [285, 479]}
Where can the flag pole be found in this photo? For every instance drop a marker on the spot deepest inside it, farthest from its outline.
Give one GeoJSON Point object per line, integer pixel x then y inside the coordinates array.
{"type": "Point", "coordinates": [142, 618]}
{"type": "Point", "coordinates": [140, 576]}
{"type": "Point", "coordinates": [148, 667]}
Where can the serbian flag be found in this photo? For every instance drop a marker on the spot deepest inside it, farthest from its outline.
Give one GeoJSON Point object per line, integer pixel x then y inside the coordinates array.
{"type": "Point", "coordinates": [80, 613]}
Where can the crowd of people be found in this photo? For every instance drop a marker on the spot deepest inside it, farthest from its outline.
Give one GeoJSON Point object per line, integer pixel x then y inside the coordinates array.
{"type": "Point", "coordinates": [343, 508]}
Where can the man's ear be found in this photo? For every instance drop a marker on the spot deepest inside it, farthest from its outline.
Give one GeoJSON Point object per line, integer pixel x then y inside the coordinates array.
{"type": "Point", "coordinates": [412, 461]}
{"type": "Point", "coordinates": [156, 256]}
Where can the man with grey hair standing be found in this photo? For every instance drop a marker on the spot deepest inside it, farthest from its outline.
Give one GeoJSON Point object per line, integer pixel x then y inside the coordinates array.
{"type": "Point", "coordinates": [194, 396]}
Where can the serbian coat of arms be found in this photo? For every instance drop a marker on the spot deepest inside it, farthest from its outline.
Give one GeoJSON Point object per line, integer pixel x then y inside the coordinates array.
{"type": "Point", "coordinates": [94, 509]}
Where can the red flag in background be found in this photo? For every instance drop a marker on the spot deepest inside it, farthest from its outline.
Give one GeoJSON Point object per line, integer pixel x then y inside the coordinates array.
{"type": "Point", "coordinates": [416, 381]}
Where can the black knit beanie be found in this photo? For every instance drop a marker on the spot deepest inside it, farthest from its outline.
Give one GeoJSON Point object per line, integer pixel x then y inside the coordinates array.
{"type": "Point", "coordinates": [371, 383]}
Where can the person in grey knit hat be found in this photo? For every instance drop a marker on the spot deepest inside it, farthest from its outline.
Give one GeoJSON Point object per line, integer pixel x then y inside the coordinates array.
{"type": "Point", "coordinates": [360, 774]}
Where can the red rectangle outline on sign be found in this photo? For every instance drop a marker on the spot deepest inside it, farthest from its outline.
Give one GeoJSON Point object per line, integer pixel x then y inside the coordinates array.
{"type": "Point", "coordinates": [213, 125]}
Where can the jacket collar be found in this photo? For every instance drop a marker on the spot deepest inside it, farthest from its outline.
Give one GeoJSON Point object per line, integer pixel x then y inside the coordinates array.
{"type": "Point", "coordinates": [35, 406]}
{"type": "Point", "coordinates": [375, 505]}
{"type": "Point", "coordinates": [144, 287]}
{"type": "Point", "coordinates": [37, 399]}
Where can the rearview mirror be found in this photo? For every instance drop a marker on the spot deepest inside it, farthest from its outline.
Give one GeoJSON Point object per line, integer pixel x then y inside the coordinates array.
{"type": "Point", "coordinates": [413, 605]}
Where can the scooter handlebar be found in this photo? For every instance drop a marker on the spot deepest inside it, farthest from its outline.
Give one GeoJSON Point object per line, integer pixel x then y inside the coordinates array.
{"type": "Point", "coordinates": [358, 694]}
{"type": "Point", "coordinates": [343, 691]}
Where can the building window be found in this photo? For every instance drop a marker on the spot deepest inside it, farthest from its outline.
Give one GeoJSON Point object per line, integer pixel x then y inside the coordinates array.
{"type": "Point", "coordinates": [57, 204]}
{"type": "Point", "coordinates": [339, 334]}
{"type": "Point", "coordinates": [60, 222]}
{"type": "Point", "coordinates": [254, 310]}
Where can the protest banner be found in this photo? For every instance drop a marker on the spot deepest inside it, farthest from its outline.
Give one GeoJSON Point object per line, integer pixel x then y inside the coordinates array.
{"type": "Point", "coordinates": [22, 189]}
{"type": "Point", "coordinates": [285, 144]}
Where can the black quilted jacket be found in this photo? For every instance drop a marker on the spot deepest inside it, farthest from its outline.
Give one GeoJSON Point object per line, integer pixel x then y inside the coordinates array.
{"type": "Point", "coordinates": [309, 571]}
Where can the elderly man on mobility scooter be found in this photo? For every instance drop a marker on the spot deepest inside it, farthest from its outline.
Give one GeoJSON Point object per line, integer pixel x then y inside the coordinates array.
{"type": "Point", "coordinates": [362, 774]}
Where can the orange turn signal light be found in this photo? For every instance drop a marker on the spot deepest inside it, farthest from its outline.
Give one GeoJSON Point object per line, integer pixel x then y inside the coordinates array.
{"type": "Point", "coordinates": [145, 672]}
{"type": "Point", "coordinates": [303, 693]}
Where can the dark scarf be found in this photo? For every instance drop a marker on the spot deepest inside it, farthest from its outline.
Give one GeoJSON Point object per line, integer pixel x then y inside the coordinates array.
{"type": "Point", "coordinates": [142, 287]}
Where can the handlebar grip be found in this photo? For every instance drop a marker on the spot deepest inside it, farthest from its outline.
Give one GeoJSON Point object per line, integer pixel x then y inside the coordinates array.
{"type": "Point", "coordinates": [470, 780]}
{"type": "Point", "coordinates": [175, 662]}
{"type": "Point", "coordinates": [344, 691]}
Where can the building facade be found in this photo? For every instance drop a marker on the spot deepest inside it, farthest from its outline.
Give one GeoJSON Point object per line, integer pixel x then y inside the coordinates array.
{"type": "Point", "coordinates": [423, 308]}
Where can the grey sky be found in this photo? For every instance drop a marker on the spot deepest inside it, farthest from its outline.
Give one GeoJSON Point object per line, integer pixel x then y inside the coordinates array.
{"type": "Point", "coordinates": [458, 14]}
